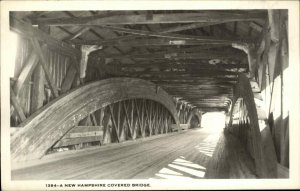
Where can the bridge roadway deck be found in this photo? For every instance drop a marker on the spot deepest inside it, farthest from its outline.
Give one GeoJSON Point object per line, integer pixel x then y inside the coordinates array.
{"type": "Point", "coordinates": [194, 153]}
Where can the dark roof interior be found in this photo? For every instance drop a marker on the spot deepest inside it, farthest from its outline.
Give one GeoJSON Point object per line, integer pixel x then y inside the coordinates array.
{"type": "Point", "coordinates": [189, 53]}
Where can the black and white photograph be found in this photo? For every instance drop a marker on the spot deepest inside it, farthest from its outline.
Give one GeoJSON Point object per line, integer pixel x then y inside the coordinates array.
{"type": "Point", "coordinates": [149, 97]}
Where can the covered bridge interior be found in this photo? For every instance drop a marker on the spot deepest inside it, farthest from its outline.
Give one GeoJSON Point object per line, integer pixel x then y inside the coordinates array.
{"type": "Point", "coordinates": [125, 94]}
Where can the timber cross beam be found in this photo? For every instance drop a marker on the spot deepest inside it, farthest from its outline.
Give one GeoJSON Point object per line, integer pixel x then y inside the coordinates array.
{"type": "Point", "coordinates": [28, 31]}
{"type": "Point", "coordinates": [204, 16]}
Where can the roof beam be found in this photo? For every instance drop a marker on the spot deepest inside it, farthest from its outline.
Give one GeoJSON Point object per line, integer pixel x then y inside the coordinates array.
{"type": "Point", "coordinates": [194, 86]}
{"type": "Point", "coordinates": [28, 31]}
{"type": "Point", "coordinates": [78, 33]}
{"type": "Point", "coordinates": [191, 91]}
{"type": "Point", "coordinates": [180, 89]}
{"type": "Point", "coordinates": [189, 26]}
{"type": "Point", "coordinates": [205, 39]}
{"type": "Point", "coordinates": [166, 65]}
{"type": "Point", "coordinates": [202, 83]}
{"type": "Point", "coordinates": [94, 32]}
{"type": "Point", "coordinates": [204, 54]}
{"type": "Point", "coordinates": [184, 49]}
{"type": "Point", "coordinates": [197, 94]}
{"type": "Point", "coordinates": [198, 78]}
{"type": "Point", "coordinates": [210, 97]}
{"type": "Point", "coordinates": [187, 97]}
{"type": "Point", "coordinates": [174, 62]}
{"type": "Point", "coordinates": [186, 75]}
{"type": "Point", "coordinates": [38, 49]}
{"type": "Point", "coordinates": [199, 72]}
{"type": "Point", "coordinates": [157, 42]}
{"type": "Point", "coordinates": [210, 105]}
{"type": "Point", "coordinates": [130, 37]}
{"type": "Point", "coordinates": [210, 100]}
{"type": "Point", "coordinates": [211, 109]}
{"type": "Point", "coordinates": [256, 26]}
{"type": "Point", "coordinates": [203, 16]}
{"type": "Point", "coordinates": [205, 95]}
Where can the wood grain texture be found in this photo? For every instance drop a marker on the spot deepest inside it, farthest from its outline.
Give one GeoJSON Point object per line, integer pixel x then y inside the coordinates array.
{"type": "Point", "coordinates": [159, 41]}
{"type": "Point", "coordinates": [81, 134]}
{"type": "Point", "coordinates": [129, 38]}
{"type": "Point", "coordinates": [43, 61]}
{"type": "Point", "coordinates": [204, 54]}
{"type": "Point", "coordinates": [251, 132]}
{"type": "Point", "coordinates": [69, 78]}
{"type": "Point", "coordinates": [26, 72]}
{"type": "Point", "coordinates": [208, 40]}
{"type": "Point", "coordinates": [205, 16]}
{"type": "Point", "coordinates": [28, 31]}
{"type": "Point", "coordinates": [47, 125]}
{"type": "Point", "coordinates": [15, 103]}
{"type": "Point", "coordinates": [38, 89]}
{"type": "Point", "coordinates": [230, 160]}
{"type": "Point", "coordinates": [193, 154]}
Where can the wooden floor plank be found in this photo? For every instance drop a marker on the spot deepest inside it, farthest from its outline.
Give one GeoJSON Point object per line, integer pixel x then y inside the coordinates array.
{"type": "Point", "coordinates": [188, 153]}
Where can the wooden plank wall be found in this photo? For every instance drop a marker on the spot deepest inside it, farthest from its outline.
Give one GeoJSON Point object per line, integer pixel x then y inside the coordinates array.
{"type": "Point", "coordinates": [273, 78]}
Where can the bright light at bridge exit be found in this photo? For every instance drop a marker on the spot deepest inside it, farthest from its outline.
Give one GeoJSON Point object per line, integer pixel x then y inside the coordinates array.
{"type": "Point", "coordinates": [213, 121]}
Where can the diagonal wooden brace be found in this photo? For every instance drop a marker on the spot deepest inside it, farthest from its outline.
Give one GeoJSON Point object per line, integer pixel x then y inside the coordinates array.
{"type": "Point", "coordinates": [37, 48]}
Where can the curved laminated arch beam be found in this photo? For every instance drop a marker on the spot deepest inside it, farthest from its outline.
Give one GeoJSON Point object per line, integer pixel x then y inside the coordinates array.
{"type": "Point", "coordinates": [48, 125]}
{"type": "Point", "coordinates": [243, 92]}
{"type": "Point", "coordinates": [194, 112]}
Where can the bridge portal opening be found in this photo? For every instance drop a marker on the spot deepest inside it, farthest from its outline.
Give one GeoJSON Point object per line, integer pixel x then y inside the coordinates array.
{"type": "Point", "coordinates": [213, 121]}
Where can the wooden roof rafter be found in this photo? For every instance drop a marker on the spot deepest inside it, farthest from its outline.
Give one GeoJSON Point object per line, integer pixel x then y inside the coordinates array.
{"type": "Point", "coordinates": [203, 16]}
{"type": "Point", "coordinates": [204, 54]}
{"type": "Point", "coordinates": [94, 32]}
{"type": "Point", "coordinates": [188, 52]}
{"type": "Point", "coordinates": [28, 31]}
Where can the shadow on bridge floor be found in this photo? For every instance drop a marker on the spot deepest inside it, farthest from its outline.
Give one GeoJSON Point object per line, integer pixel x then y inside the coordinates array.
{"type": "Point", "coordinates": [193, 154]}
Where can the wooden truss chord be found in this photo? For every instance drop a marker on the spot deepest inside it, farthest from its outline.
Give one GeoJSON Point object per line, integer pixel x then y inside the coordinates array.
{"type": "Point", "coordinates": [54, 120]}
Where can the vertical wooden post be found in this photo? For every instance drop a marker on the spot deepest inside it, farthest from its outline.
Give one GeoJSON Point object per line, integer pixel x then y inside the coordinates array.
{"type": "Point", "coordinates": [150, 118]}
{"type": "Point", "coordinates": [106, 117]}
{"type": "Point", "coordinates": [162, 121]}
{"type": "Point", "coordinates": [115, 126]}
{"type": "Point", "coordinates": [284, 52]}
{"type": "Point", "coordinates": [37, 95]}
{"type": "Point", "coordinates": [129, 123]}
{"type": "Point", "coordinates": [69, 78]}
{"type": "Point", "coordinates": [133, 122]}
{"type": "Point", "coordinates": [43, 62]}
{"type": "Point", "coordinates": [119, 118]}
{"type": "Point", "coordinates": [274, 19]}
{"type": "Point", "coordinates": [142, 117]}
{"type": "Point", "coordinates": [138, 115]}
